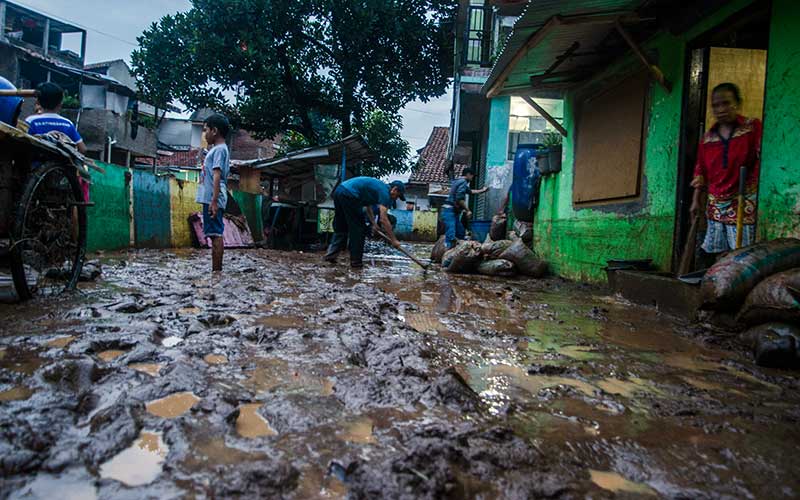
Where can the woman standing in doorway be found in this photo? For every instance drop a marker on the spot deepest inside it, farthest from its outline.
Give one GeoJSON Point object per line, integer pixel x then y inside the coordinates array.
{"type": "Point", "coordinates": [734, 141]}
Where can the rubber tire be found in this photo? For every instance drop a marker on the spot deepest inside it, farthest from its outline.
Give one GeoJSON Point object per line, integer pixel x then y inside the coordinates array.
{"type": "Point", "coordinates": [31, 185]}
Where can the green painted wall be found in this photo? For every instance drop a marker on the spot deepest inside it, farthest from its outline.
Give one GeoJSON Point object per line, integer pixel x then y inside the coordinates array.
{"type": "Point", "coordinates": [497, 143]}
{"type": "Point", "coordinates": [251, 208]}
{"type": "Point", "coordinates": [577, 241]}
{"type": "Point", "coordinates": [109, 218]}
{"type": "Point", "coordinates": [779, 193]}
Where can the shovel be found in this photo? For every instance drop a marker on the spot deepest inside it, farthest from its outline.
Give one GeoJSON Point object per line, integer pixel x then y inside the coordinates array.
{"type": "Point", "coordinates": [740, 208]}
{"type": "Point", "coordinates": [403, 251]}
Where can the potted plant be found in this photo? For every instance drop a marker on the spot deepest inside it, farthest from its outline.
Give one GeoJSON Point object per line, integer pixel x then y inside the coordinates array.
{"type": "Point", "coordinates": [543, 159]}
{"type": "Point", "coordinates": [553, 142]}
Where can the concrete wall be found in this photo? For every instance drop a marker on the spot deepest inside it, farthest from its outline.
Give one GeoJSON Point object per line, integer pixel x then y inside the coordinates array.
{"type": "Point", "coordinates": [779, 192]}
{"type": "Point", "coordinates": [109, 218]}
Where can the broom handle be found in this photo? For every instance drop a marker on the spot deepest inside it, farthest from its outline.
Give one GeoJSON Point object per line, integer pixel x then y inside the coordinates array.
{"type": "Point", "coordinates": [740, 208]}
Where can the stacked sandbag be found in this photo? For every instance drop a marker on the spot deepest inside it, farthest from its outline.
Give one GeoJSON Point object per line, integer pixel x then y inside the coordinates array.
{"type": "Point", "coordinates": [729, 281]}
{"type": "Point", "coordinates": [497, 267]}
{"type": "Point", "coordinates": [777, 298]}
{"type": "Point", "coordinates": [499, 227]}
{"type": "Point", "coordinates": [524, 260]}
{"type": "Point", "coordinates": [774, 345]}
{"type": "Point", "coordinates": [494, 249]}
{"type": "Point", "coordinates": [438, 250]}
{"type": "Point", "coordinates": [463, 258]}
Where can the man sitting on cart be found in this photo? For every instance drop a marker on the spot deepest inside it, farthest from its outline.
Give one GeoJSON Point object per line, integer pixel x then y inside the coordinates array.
{"type": "Point", "coordinates": [48, 120]}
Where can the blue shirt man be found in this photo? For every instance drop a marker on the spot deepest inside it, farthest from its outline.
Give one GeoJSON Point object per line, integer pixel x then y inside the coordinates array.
{"type": "Point", "coordinates": [456, 204]}
{"type": "Point", "coordinates": [348, 223]}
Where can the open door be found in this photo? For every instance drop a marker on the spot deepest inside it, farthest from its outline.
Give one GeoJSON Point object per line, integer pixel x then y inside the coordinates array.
{"type": "Point", "coordinates": [736, 52]}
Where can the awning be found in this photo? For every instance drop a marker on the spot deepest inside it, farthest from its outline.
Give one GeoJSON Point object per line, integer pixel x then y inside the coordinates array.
{"type": "Point", "coordinates": [301, 163]}
{"type": "Point", "coordinates": [555, 44]}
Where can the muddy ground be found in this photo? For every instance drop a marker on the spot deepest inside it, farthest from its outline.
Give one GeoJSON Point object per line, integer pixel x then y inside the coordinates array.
{"type": "Point", "coordinates": [287, 378]}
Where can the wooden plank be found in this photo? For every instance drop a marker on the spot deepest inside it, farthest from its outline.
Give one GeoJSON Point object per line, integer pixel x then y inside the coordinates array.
{"type": "Point", "coordinates": [609, 142]}
{"type": "Point", "coordinates": [547, 116]}
{"type": "Point", "coordinates": [654, 70]}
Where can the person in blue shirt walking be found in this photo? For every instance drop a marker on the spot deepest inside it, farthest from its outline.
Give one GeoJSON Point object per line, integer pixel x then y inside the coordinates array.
{"type": "Point", "coordinates": [456, 204]}
{"type": "Point", "coordinates": [349, 199]}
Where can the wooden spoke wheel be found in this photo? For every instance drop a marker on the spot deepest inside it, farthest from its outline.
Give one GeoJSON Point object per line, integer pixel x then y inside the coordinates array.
{"type": "Point", "coordinates": [49, 236]}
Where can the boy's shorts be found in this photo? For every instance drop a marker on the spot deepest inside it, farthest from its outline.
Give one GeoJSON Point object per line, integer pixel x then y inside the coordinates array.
{"type": "Point", "coordinates": [213, 227]}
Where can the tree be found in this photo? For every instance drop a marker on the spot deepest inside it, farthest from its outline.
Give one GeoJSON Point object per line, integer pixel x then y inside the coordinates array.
{"type": "Point", "coordinates": [280, 66]}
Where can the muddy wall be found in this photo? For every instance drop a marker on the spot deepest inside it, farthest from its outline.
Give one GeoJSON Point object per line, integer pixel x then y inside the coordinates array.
{"type": "Point", "coordinates": [578, 239]}
{"type": "Point", "coordinates": [779, 193]}
{"type": "Point", "coordinates": [182, 204]}
{"type": "Point", "coordinates": [109, 218]}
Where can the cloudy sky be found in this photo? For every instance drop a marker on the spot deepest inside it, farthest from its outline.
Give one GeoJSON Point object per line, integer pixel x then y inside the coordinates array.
{"type": "Point", "coordinates": [113, 26]}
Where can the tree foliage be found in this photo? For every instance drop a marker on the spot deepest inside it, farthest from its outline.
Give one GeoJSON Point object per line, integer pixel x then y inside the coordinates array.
{"type": "Point", "coordinates": [278, 66]}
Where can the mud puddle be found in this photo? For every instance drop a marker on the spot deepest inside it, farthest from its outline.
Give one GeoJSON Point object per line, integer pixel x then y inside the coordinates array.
{"type": "Point", "coordinates": [386, 382]}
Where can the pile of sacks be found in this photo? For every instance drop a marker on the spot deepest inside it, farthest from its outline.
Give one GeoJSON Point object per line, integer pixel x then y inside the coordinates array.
{"type": "Point", "coordinates": [761, 285]}
{"type": "Point", "coordinates": [493, 258]}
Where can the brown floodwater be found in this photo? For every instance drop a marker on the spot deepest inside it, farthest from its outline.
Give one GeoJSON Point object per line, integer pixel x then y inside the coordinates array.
{"type": "Point", "coordinates": [172, 406]}
{"type": "Point", "coordinates": [284, 377]}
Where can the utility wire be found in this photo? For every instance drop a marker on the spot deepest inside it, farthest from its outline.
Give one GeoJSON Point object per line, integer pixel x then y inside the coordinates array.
{"type": "Point", "coordinates": [74, 23]}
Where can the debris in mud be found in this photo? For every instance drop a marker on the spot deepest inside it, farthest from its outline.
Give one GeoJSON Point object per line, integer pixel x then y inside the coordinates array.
{"type": "Point", "coordinates": [91, 270]}
{"type": "Point", "coordinates": [215, 359]}
{"type": "Point", "coordinates": [151, 369]}
{"type": "Point", "coordinates": [110, 355]}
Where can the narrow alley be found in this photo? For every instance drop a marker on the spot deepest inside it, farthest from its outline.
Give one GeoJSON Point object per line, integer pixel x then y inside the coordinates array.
{"type": "Point", "coordinates": [283, 378]}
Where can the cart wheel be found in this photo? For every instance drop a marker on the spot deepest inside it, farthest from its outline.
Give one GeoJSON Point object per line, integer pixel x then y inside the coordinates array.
{"type": "Point", "coordinates": [49, 238]}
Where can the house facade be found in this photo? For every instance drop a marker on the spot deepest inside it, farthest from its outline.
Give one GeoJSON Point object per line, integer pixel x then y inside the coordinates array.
{"type": "Point", "coordinates": [628, 83]}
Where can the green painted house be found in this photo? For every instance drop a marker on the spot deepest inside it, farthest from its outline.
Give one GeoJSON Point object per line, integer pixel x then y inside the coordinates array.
{"type": "Point", "coordinates": [628, 83]}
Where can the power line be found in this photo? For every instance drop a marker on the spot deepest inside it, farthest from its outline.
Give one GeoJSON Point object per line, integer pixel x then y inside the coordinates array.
{"type": "Point", "coordinates": [424, 112]}
{"type": "Point", "coordinates": [87, 28]}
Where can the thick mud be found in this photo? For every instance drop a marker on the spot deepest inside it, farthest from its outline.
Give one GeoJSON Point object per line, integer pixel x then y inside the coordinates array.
{"type": "Point", "coordinates": [287, 378]}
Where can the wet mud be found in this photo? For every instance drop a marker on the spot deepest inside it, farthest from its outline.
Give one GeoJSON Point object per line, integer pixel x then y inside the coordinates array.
{"type": "Point", "coordinates": [286, 378]}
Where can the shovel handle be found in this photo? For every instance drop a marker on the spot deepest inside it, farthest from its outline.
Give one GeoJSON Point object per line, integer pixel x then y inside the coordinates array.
{"type": "Point", "coordinates": [19, 93]}
{"type": "Point", "coordinates": [740, 207]}
{"type": "Point", "coordinates": [403, 250]}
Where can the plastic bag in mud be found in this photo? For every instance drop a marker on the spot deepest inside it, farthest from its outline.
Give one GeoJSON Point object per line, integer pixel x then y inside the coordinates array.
{"type": "Point", "coordinates": [777, 298]}
{"type": "Point", "coordinates": [438, 250]}
{"type": "Point", "coordinates": [774, 345]}
{"type": "Point", "coordinates": [525, 260]}
{"type": "Point", "coordinates": [464, 258]}
{"type": "Point", "coordinates": [499, 227]}
{"type": "Point", "coordinates": [494, 249]}
{"type": "Point", "coordinates": [497, 267]}
{"type": "Point", "coordinates": [727, 283]}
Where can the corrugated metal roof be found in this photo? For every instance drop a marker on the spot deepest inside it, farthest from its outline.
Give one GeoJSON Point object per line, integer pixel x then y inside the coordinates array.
{"type": "Point", "coordinates": [560, 37]}
{"type": "Point", "coordinates": [301, 163]}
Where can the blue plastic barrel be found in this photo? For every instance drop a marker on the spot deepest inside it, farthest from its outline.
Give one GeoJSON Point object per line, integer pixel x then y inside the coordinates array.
{"type": "Point", "coordinates": [9, 106]}
{"type": "Point", "coordinates": [480, 229]}
{"type": "Point", "coordinates": [526, 180]}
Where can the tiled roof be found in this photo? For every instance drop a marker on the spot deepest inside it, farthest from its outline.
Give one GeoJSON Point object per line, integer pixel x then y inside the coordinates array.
{"type": "Point", "coordinates": [246, 147]}
{"type": "Point", "coordinates": [432, 166]}
{"type": "Point", "coordinates": [190, 158]}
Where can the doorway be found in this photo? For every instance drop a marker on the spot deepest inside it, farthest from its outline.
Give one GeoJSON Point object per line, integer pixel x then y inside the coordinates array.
{"type": "Point", "coordinates": [735, 51]}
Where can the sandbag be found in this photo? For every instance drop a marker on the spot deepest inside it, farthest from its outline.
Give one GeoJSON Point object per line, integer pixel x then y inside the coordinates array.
{"type": "Point", "coordinates": [438, 250]}
{"type": "Point", "coordinates": [777, 298]}
{"type": "Point", "coordinates": [464, 258]}
{"type": "Point", "coordinates": [524, 230]}
{"type": "Point", "coordinates": [497, 267]}
{"type": "Point", "coordinates": [499, 227]}
{"type": "Point", "coordinates": [726, 285]}
{"type": "Point", "coordinates": [525, 260]}
{"type": "Point", "coordinates": [494, 249]}
{"type": "Point", "coordinates": [774, 345]}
